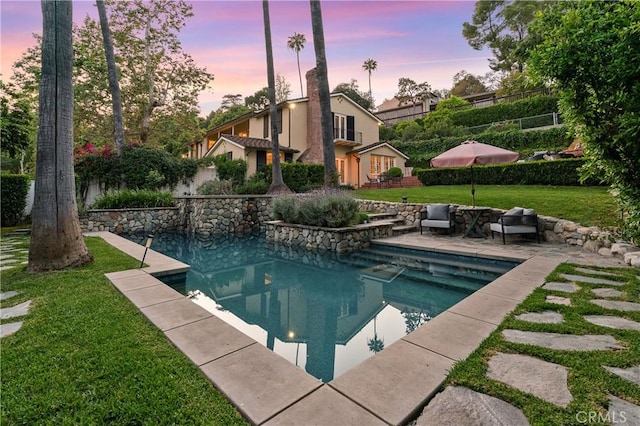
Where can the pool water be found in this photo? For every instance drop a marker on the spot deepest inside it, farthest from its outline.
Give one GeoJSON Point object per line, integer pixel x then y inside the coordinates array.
{"type": "Point", "coordinates": [323, 312]}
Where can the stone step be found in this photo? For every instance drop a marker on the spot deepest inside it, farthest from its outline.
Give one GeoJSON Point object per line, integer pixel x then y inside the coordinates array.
{"type": "Point", "coordinates": [382, 216]}
{"type": "Point", "coordinates": [403, 229]}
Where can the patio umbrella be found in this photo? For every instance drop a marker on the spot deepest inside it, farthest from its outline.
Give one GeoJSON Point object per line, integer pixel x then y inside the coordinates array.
{"type": "Point", "coordinates": [470, 153]}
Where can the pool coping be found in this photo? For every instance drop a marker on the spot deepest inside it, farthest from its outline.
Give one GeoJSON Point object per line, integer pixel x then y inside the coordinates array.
{"type": "Point", "coordinates": [390, 387]}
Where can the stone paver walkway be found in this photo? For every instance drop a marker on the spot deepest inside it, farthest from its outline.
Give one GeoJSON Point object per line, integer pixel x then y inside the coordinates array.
{"type": "Point", "coordinates": [545, 380]}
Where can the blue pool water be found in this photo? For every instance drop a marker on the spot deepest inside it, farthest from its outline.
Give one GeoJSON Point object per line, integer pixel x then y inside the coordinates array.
{"type": "Point", "coordinates": [323, 312]}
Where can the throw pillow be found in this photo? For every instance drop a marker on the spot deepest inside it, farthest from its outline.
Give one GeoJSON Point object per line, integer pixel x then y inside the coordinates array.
{"type": "Point", "coordinates": [529, 217]}
{"type": "Point", "coordinates": [438, 211]}
{"type": "Point", "coordinates": [516, 220]}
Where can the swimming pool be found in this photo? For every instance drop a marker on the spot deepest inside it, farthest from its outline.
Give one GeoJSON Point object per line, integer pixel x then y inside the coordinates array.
{"type": "Point", "coordinates": [321, 311]}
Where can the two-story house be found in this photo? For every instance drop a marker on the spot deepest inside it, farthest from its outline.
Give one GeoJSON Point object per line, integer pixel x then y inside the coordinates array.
{"type": "Point", "coordinates": [358, 152]}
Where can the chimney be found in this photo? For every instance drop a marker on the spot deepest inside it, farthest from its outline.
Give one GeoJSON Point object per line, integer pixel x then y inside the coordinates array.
{"type": "Point", "coordinates": [314, 153]}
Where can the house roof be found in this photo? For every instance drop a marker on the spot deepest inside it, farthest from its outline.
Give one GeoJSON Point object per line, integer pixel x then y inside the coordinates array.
{"type": "Point", "coordinates": [283, 104]}
{"type": "Point", "coordinates": [377, 145]}
{"type": "Point", "coordinates": [248, 143]}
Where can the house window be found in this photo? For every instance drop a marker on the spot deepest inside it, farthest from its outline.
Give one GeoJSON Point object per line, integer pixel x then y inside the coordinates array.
{"type": "Point", "coordinates": [229, 155]}
{"type": "Point", "coordinates": [380, 164]}
{"type": "Point", "coordinates": [339, 126]}
{"type": "Point", "coordinates": [265, 125]}
{"type": "Point", "coordinates": [270, 157]}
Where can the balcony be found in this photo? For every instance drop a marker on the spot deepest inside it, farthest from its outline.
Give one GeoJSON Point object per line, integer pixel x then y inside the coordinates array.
{"type": "Point", "coordinates": [344, 137]}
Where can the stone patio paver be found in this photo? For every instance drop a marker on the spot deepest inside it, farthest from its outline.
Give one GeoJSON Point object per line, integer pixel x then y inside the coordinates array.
{"type": "Point", "coordinates": [175, 313]}
{"type": "Point", "coordinates": [460, 406]}
{"type": "Point", "coordinates": [547, 317]}
{"type": "Point", "coordinates": [563, 342]}
{"type": "Point", "coordinates": [15, 311]}
{"type": "Point", "coordinates": [259, 382]}
{"type": "Point", "coordinates": [617, 305]}
{"type": "Point", "coordinates": [604, 274]}
{"type": "Point", "coordinates": [591, 280]}
{"type": "Point", "coordinates": [546, 380]}
{"type": "Point", "coordinates": [623, 411]}
{"type": "Point", "coordinates": [613, 322]}
{"type": "Point", "coordinates": [565, 287]}
{"type": "Point", "coordinates": [323, 407]}
{"type": "Point", "coordinates": [394, 383]}
{"type": "Point", "coordinates": [9, 328]}
{"type": "Point", "coordinates": [8, 294]}
{"type": "Point", "coordinates": [631, 374]}
{"type": "Point", "coordinates": [606, 292]}
{"type": "Point", "coordinates": [558, 300]}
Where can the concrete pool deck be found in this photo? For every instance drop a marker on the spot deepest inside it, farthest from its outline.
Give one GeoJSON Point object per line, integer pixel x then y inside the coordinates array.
{"type": "Point", "coordinates": [390, 387]}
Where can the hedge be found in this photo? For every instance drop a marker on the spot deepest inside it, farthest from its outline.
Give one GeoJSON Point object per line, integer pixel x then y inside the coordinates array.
{"type": "Point", "coordinates": [557, 172]}
{"type": "Point", "coordinates": [300, 177]}
{"type": "Point", "coordinates": [528, 107]}
{"type": "Point", "coordinates": [524, 143]}
{"type": "Point", "coordinates": [15, 189]}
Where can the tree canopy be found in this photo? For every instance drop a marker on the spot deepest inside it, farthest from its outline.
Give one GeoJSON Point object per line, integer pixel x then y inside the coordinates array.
{"type": "Point", "coordinates": [502, 26]}
{"type": "Point", "coordinates": [590, 51]}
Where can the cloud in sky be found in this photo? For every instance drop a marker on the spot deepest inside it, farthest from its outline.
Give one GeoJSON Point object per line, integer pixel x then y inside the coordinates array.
{"type": "Point", "coordinates": [421, 40]}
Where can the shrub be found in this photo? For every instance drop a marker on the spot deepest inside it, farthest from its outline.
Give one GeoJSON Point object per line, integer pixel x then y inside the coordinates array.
{"type": "Point", "coordinates": [215, 187]}
{"type": "Point", "coordinates": [529, 107]}
{"type": "Point", "coordinates": [253, 187]}
{"type": "Point", "coordinates": [15, 189]}
{"type": "Point", "coordinates": [286, 208]}
{"type": "Point", "coordinates": [395, 172]}
{"type": "Point", "coordinates": [331, 209]}
{"type": "Point", "coordinates": [133, 199]}
{"type": "Point", "coordinates": [300, 177]}
{"type": "Point", "coordinates": [235, 170]}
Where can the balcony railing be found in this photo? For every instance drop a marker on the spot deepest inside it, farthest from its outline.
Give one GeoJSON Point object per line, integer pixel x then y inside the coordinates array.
{"type": "Point", "coordinates": [345, 135]}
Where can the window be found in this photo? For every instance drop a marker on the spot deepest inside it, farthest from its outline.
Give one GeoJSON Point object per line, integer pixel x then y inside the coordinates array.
{"type": "Point", "coordinates": [380, 164]}
{"type": "Point", "coordinates": [229, 155]}
{"type": "Point", "coordinates": [265, 124]}
{"type": "Point", "coordinates": [339, 126]}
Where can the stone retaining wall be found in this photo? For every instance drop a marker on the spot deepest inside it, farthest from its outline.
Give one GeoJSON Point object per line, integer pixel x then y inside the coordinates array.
{"type": "Point", "coordinates": [222, 215]}
{"type": "Point", "coordinates": [339, 240]}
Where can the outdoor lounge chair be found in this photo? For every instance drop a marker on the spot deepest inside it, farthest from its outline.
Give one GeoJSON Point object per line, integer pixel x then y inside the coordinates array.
{"type": "Point", "coordinates": [516, 221]}
{"type": "Point", "coordinates": [438, 216]}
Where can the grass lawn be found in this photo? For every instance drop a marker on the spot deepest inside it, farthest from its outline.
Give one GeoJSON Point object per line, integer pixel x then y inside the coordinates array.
{"type": "Point", "coordinates": [588, 381]}
{"type": "Point", "coordinates": [589, 206]}
{"type": "Point", "coordinates": [86, 355]}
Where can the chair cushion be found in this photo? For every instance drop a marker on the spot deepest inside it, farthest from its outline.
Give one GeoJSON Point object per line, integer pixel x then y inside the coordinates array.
{"type": "Point", "coordinates": [438, 211]}
{"type": "Point", "coordinates": [430, 223]}
{"type": "Point", "coordinates": [510, 221]}
{"type": "Point", "coordinates": [529, 217]}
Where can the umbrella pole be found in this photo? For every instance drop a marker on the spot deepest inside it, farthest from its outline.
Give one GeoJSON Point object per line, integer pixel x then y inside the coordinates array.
{"type": "Point", "coordinates": [473, 190]}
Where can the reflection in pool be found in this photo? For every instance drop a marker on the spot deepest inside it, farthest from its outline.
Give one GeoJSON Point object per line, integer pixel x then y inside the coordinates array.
{"type": "Point", "coordinates": [324, 312]}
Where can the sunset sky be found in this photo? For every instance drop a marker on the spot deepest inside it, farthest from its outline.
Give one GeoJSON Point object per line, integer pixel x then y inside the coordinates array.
{"type": "Point", "coordinates": [420, 40]}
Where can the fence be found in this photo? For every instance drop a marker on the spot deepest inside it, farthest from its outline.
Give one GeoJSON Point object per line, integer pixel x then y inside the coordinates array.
{"type": "Point", "coordinates": [552, 119]}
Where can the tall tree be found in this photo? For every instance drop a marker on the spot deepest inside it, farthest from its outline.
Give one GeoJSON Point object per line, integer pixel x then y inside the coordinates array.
{"type": "Point", "coordinates": [296, 43]}
{"type": "Point", "coordinates": [502, 26]}
{"type": "Point", "coordinates": [56, 237]}
{"type": "Point", "coordinates": [353, 92]}
{"type": "Point", "coordinates": [328, 149]}
{"type": "Point", "coordinates": [277, 183]}
{"type": "Point", "coordinates": [370, 65]}
{"type": "Point", "coordinates": [283, 88]}
{"type": "Point", "coordinates": [591, 52]}
{"type": "Point", "coordinates": [16, 121]}
{"type": "Point", "coordinates": [410, 91]}
{"type": "Point", "coordinates": [114, 86]}
{"type": "Point", "coordinates": [465, 84]}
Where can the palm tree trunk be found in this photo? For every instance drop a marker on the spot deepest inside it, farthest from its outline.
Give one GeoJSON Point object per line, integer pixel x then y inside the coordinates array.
{"type": "Point", "coordinates": [277, 183]}
{"type": "Point", "coordinates": [114, 87]}
{"type": "Point", "coordinates": [328, 150]}
{"type": "Point", "coordinates": [299, 74]}
{"type": "Point", "coordinates": [56, 237]}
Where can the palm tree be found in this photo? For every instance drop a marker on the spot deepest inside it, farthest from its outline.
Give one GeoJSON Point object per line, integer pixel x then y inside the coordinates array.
{"type": "Point", "coordinates": [329, 154]}
{"type": "Point", "coordinates": [277, 182]}
{"type": "Point", "coordinates": [114, 87]}
{"type": "Point", "coordinates": [56, 237]}
{"type": "Point", "coordinates": [296, 43]}
{"type": "Point", "coordinates": [375, 344]}
{"type": "Point", "coordinates": [370, 65]}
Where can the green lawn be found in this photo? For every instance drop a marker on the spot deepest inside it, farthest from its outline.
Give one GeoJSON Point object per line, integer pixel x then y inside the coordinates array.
{"type": "Point", "coordinates": [86, 355]}
{"type": "Point", "coordinates": [589, 206]}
